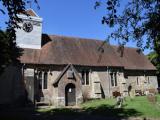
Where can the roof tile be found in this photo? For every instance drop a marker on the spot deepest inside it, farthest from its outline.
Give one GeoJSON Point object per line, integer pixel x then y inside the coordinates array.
{"type": "Point", "coordinates": [61, 50]}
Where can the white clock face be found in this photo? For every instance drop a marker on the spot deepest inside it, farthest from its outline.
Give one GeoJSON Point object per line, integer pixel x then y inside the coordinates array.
{"type": "Point", "coordinates": [27, 27]}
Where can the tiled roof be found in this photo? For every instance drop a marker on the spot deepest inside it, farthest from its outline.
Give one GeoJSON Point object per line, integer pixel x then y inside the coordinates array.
{"type": "Point", "coordinates": [29, 12]}
{"type": "Point", "coordinates": [30, 56]}
{"type": "Point", "coordinates": [61, 50]}
{"type": "Point", "coordinates": [134, 59]}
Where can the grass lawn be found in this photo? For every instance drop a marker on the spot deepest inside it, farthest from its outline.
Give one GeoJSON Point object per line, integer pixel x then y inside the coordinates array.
{"type": "Point", "coordinates": [103, 109]}
{"type": "Point", "coordinates": [138, 106]}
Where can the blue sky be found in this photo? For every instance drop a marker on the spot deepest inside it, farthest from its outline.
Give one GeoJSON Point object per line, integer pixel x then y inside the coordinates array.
{"type": "Point", "coordinates": [75, 18]}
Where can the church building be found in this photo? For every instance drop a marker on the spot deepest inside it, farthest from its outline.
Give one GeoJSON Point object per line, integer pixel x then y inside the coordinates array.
{"type": "Point", "coordinates": [65, 71]}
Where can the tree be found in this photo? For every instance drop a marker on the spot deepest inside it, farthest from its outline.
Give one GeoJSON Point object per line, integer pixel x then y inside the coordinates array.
{"type": "Point", "coordinates": [9, 51]}
{"type": "Point", "coordinates": [139, 21]}
{"type": "Point", "coordinates": [152, 56]}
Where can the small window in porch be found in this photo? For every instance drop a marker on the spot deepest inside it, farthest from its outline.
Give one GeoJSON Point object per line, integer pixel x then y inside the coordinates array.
{"type": "Point", "coordinates": [70, 74]}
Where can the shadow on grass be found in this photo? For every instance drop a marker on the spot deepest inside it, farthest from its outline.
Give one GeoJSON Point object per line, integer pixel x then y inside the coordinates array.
{"type": "Point", "coordinates": [103, 112]}
{"type": "Point", "coordinates": [110, 111]}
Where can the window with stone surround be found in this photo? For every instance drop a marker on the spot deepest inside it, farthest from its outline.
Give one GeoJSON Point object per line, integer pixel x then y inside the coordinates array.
{"type": "Point", "coordinates": [112, 80]}
{"type": "Point", "coordinates": [147, 79]}
{"type": "Point", "coordinates": [42, 80]}
{"type": "Point", "coordinates": [45, 80]}
{"type": "Point", "coordinates": [85, 77]}
{"type": "Point", "coordinates": [113, 77]}
{"type": "Point", "coordinates": [137, 81]}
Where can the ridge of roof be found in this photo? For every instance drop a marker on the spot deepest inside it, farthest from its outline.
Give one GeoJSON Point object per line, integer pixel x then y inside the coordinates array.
{"type": "Point", "coordinates": [72, 37]}
{"type": "Point", "coordinates": [89, 39]}
{"type": "Point", "coordinates": [135, 48]}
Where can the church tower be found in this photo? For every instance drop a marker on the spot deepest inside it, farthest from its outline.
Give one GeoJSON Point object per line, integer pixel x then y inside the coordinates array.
{"type": "Point", "coordinates": [29, 36]}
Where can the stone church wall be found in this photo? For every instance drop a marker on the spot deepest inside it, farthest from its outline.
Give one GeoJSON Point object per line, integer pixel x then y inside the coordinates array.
{"type": "Point", "coordinates": [99, 85]}
{"type": "Point", "coordinates": [29, 79]}
{"type": "Point", "coordinates": [141, 81]}
{"type": "Point", "coordinates": [53, 90]}
{"type": "Point", "coordinates": [57, 93]}
{"type": "Point", "coordinates": [96, 88]}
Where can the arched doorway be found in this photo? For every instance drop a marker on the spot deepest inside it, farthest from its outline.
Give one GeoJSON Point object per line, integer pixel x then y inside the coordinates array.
{"type": "Point", "coordinates": [70, 95]}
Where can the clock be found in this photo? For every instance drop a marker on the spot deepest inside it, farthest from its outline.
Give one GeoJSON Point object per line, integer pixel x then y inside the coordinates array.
{"type": "Point", "coordinates": [27, 27]}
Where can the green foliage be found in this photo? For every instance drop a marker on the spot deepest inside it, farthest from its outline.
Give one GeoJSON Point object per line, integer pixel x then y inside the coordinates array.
{"type": "Point", "coordinates": [153, 57]}
{"type": "Point", "coordinates": [139, 21]}
{"type": "Point", "coordinates": [9, 52]}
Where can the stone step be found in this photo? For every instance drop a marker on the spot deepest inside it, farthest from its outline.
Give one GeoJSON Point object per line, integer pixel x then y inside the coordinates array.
{"type": "Point", "coordinates": [42, 103]}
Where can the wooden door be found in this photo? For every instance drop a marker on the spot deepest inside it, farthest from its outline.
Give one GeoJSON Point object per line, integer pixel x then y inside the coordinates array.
{"type": "Point", "coordinates": [70, 95]}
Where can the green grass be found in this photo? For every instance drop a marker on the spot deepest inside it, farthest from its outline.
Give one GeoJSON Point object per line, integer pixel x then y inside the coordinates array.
{"type": "Point", "coordinates": [138, 106]}
{"type": "Point", "coordinates": [135, 107]}
{"type": "Point", "coordinates": [96, 103]}
{"type": "Point", "coordinates": [95, 109]}
{"type": "Point", "coordinates": [141, 104]}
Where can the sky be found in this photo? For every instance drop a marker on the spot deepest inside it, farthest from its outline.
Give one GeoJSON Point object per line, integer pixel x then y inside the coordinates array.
{"type": "Point", "coordinates": [76, 18]}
